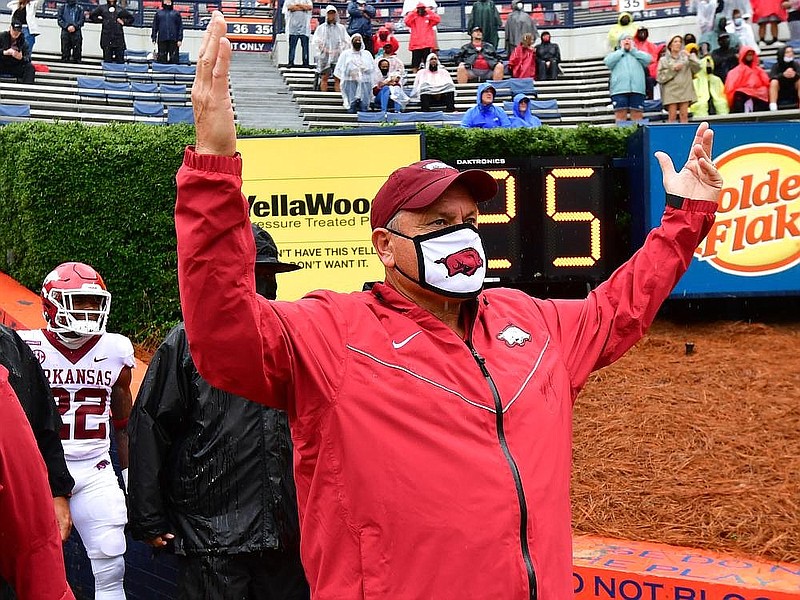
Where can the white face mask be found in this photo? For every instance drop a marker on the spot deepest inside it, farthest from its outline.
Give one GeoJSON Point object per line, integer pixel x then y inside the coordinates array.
{"type": "Point", "coordinates": [450, 261]}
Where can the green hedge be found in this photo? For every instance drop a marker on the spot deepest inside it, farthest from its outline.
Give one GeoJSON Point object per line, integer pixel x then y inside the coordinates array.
{"type": "Point", "coordinates": [105, 196]}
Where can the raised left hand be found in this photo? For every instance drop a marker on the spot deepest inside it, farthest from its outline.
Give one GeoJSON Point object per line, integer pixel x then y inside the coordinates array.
{"type": "Point", "coordinates": [699, 178]}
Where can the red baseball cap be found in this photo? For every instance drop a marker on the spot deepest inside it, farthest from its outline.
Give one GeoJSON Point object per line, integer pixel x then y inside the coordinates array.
{"type": "Point", "coordinates": [421, 184]}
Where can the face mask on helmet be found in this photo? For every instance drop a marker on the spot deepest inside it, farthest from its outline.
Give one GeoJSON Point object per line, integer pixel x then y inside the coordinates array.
{"type": "Point", "coordinates": [75, 301]}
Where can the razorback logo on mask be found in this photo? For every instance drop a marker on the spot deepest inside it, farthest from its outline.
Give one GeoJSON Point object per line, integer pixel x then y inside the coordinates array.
{"type": "Point", "coordinates": [466, 262]}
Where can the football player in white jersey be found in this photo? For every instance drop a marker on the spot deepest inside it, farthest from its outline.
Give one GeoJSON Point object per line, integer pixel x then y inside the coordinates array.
{"type": "Point", "coordinates": [90, 374]}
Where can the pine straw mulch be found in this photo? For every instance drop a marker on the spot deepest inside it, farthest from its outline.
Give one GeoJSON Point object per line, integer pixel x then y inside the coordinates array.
{"type": "Point", "coordinates": [699, 450]}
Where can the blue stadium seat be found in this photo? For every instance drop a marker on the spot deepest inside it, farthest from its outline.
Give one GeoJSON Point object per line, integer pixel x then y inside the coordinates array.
{"type": "Point", "coordinates": [180, 114]}
{"type": "Point", "coordinates": [654, 110]}
{"type": "Point", "coordinates": [183, 58]}
{"type": "Point", "coordinates": [148, 109]}
{"type": "Point", "coordinates": [514, 86]}
{"type": "Point", "coordinates": [117, 90]}
{"type": "Point", "coordinates": [544, 109]}
{"type": "Point", "coordinates": [114, 70]}
{"type": "Point", "coordinates": [165, 68]}
{"type": "Point", "coordinates": [408, 117]}
{"type": "Point", "coordinates": [144, 91]}
{"type": "Point", "coordinates": [138, 71]}
{"type": "Point", "coordinates": [14, 112]}
{"type": "Point", "coordinates": [91, 87]}
{"type": "Point", "coordinates": [136, 56]}
{"type": "Point", "coordinates": [173, 92]}
{"type": "Point", "coordinates": [632, 123]}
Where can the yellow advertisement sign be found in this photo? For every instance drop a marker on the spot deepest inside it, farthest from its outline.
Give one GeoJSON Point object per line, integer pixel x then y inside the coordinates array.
{"type": "Point", "coordinates": [313, 195]}
{"type": "Point", "coordinates": [757, 231]}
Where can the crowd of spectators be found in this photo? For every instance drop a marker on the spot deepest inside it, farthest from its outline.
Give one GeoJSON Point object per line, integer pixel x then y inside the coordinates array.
{"type": "Point", "coordinates": [720, 74]}
{"type": "Point", "coordinates": [688, 77]}
{"type": "Point", "coordinates": [717, 74]}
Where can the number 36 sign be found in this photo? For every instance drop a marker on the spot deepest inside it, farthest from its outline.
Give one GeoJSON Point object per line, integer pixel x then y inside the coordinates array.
{"type": "Point", "coordinates": [550, 220]}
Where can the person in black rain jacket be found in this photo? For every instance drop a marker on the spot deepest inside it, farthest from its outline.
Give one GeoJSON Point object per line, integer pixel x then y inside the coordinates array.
{"type": "Point", "coordinates": [32, 389]}
{"type": "Point", "coordinates": [211, 474]}
{"type": "Point", "coordinates": [113, 19]}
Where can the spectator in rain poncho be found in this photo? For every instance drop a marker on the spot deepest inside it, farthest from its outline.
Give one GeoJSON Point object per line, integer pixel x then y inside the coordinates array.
{"type": "Point", "coordinates": [330, 40]}
{"type": "Point", "coordinates": [720, 29]}
{"type": "Point", "coordinates": [486, 16]}
{"type": "Point", "coordinates": [485, 115]}
{"type": "Point", "coordinates": [522, 113]}
{"type": "Point", "coordinates": [710, 91]}
{"type": "Point", "coordinates": [623, 25]}
{"type": "Point", "coordinates": [389, 78]}
{"type": "Point", "coordinates": [705, 10]}
{"type": "Point", "coordinates": [740, 27]}
{"type": "Point", "coordinates": [355, 71]}
{"type": "Point", "coordinates": [433, 85]}
{"type": "Point", "coordinates": [518, 24]}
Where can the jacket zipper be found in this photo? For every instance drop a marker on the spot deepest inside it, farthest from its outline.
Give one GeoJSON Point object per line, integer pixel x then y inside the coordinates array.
{"type": "Point", "coordinates": [523, 507]}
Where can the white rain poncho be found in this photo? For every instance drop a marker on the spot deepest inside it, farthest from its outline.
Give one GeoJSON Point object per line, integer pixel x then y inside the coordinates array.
{"type": "Point", "coordinates": [396, 69]}
{"type": "Point", "coordinates": [330, 40]}
{"type": "Point", "coordinates": [432, 82]}
{"type": "Point", "coordinates": [355, 72]}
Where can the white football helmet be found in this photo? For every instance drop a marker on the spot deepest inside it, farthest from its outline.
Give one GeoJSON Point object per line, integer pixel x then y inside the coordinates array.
{"type": "Point", "coordinates": [75, 300]}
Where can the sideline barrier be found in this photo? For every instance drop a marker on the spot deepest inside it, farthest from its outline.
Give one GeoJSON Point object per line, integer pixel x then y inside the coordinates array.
{"type": "Point", "coordinates": [606, 568]}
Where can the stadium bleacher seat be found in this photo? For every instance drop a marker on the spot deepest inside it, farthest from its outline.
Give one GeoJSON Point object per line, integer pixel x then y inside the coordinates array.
{"type": "Point", "coordinates": [117, 90]}
{"type": "Point", "coordinates": [14, 112]}
{"type": "Point", "coordinates": [144, 91]}
{"type": "Point", "coordinates": [183, 58]}
{"type": "Point", "coordinates": [544, 109]}
{"type": "Point", "coordinates": [114, 70]}
{"type": "Point", "coordinates": [654, 110]}
{"type": "Point", "coordinates": [180, 114]}
{"type": "Point", "coordinates": [151, 110]}
{"type": "Point", "coordinates": [91, 87]}
{"type": "Point", "coordinates": [408, 117]}
{"type": "Point", "coordinates": [136, 56]}
{"type": "Point", "coordinates": [173, 92]}
{"type": "Point", "coordinates": [138, 71]}
{"type": "Point", "coordinates": [514, 86]}
{"type": "Point", "coordinates": [173, 73]}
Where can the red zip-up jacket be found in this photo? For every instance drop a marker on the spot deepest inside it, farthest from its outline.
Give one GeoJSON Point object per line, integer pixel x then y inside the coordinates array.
{"type": "Point", "coordinates": [31, 557]}
{"type": "Point", "coordinates": [427, 466]}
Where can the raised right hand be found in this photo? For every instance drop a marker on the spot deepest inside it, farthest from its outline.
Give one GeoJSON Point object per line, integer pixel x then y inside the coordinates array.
{"type": "Point", "coordinates": [215, 131]}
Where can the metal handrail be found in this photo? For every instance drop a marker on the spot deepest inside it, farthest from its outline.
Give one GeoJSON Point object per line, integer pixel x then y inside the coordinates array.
{"type": "Point", "coordinates": [566, 14]}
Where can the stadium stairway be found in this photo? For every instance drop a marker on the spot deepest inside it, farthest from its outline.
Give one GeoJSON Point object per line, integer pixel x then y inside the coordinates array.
{"type": "Point", "coordinates": [55, 95]}
{"type": "Point", "coordinates": [262, 97]}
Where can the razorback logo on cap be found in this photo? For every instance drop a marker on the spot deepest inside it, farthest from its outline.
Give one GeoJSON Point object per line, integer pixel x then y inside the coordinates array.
{"type": "Point", "coordinates": [466, 262]}
{"type": "Point", "coordinates": [437, 165]}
